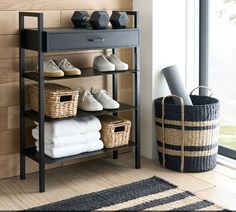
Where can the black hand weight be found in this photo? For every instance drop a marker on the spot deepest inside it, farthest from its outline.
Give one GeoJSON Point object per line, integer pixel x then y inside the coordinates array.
{"type": "Point", "coordinates": [98, 19]}
{"type": "Point", "coordinates": [119, 19]}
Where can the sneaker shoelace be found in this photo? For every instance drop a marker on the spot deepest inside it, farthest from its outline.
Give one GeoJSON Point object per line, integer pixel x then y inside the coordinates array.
{"type": "Point", "coordinates": [88, 96]}
{"type": "Point", "coordinates": [67, 63]}
{"type": "Point", "coordinates": [103, 92]}
{"type": "Point", "coordinates": [53, 64]}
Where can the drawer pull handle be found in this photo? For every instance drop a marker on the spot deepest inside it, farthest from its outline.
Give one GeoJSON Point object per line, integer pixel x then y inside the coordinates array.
{"type": "Point", "coordinates": [97, 40]}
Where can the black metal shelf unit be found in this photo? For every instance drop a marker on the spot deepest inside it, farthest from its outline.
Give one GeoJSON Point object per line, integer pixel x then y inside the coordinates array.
{"type": "Point", "coordinates": [44, 40]}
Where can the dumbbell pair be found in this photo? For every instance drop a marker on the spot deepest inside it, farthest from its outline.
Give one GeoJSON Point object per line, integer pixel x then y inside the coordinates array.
{"type": "Point", "coordinates": [100, 19]}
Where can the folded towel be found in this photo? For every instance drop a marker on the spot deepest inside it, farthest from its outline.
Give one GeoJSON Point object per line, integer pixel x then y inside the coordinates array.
{"type": "Point", "coordinates": [69, 140]}
{"type": "Point", "coordinates": [59, 152]}
{"type": "Point", "coordinates": [73, 126]}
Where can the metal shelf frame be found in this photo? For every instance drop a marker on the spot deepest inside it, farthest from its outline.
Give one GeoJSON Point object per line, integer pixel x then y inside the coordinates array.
{"type": "Point", "coordinates": [38, 44]}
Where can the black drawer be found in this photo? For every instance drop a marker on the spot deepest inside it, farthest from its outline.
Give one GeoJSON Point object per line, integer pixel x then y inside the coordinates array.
{"type": "Point", "coordinates": [75, 39]}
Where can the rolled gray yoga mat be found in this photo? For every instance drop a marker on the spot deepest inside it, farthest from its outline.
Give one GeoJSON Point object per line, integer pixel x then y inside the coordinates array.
{"type": "Point", "coordinates": [176, 85]}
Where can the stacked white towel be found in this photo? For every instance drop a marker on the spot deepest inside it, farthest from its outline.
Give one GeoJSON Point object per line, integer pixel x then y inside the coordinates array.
{"type": "Point", "coordinates": [74, 126]}
{"type": "Point", "coordinates": [70, 137]}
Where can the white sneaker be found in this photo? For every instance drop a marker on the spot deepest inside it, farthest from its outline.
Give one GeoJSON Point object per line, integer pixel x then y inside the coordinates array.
{"type": "Point", "coordinates": [106, 101]}
{"type": "Point", "coordinates": [118, 63]}
{"type": "Point", "coordinates": [68, 68]}
{"type": "Point", "coordinates": [52, 70]}
{"type": "Point", "coordinates": [87, 102]}
{"type": "Point", "coordinates": [101, 63]}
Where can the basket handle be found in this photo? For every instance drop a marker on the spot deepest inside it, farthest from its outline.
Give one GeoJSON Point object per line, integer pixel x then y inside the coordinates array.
{"type": "Point", "coordinates": [163, 130]}
{"type": "Point", "coordinates": [205, 87]}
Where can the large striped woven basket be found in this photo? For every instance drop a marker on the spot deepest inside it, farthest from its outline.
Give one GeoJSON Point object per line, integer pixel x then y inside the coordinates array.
{"type": "Point", "coordinates": [187, 136]}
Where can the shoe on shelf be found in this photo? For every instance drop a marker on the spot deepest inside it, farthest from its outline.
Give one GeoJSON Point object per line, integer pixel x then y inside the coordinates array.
{"type": "Point", "coordinates": [68, 68]}
{"type": "Point", "coordinates": [101, 63]}
{"type": "Point", "coordinates": [52, 70]}
{"type": "Point", "coordinates": [106, 101]}
{"type": "Point", "coordinates": [118, 63]}
{"type": "Point", "coordinates": [87, 102]}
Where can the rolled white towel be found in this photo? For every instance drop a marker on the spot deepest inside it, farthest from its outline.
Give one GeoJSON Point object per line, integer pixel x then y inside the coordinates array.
{"type": "Point", "coordinates": [73, 126]}
{"type": "Point", "coordinates": [59, 152]}
{"type": "Point", "coordinates": [68, 140]}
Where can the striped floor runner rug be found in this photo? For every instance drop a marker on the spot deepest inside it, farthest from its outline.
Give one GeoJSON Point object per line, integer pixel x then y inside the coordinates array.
{"type": "Point", "coordinates": [151, 194]}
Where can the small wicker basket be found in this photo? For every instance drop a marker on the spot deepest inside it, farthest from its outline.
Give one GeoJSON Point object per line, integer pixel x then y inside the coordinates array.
{"type": "Point", "coordinates": [115, 131]}
{"type": "Point", "coordinates": [60, 101]}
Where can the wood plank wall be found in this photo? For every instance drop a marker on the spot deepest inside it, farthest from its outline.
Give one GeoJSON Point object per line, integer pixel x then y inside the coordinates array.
{"type": "Point", "coordinates": [56, 14]}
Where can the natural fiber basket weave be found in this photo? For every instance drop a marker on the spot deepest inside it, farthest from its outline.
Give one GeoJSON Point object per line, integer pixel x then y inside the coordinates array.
{"type": "Point", "coordinates": [187, 136]}
{"type": "Point", "coordinates": [115, 131]}
{"type": "Point", "coordinates": [60, 101]}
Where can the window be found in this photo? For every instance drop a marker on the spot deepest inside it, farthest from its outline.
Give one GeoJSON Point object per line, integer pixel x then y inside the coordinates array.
{"type": "Point", "coordinates": [221, 68]}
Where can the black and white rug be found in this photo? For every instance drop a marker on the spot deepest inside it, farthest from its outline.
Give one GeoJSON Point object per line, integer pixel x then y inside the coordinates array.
{"type": "Point", "coordinates": [150, 194]}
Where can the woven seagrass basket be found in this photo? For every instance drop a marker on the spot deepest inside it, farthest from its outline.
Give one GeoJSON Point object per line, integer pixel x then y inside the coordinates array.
{"type": "Point", "coordinates": [115, 131]}
{"type": "Point", "coordinates": [187, 136]}
{"type": "Point", "coordinates": [60, 101]}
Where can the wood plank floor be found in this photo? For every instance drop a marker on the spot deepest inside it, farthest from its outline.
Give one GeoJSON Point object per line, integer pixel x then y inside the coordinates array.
{"type": "Point", "coordinates": [218, 185]}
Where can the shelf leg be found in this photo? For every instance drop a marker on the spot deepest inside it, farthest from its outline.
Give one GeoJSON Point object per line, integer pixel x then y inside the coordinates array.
{"type": "Point", "coordinates": [22, 156]}
{"type": "Point", "coordinates": [114, 84]}
{"type": "Point", "coordinates": [22, 148]}
{"type": "Point", "coordinates": [41, 177]}
{"type": "Point", "coordinates": [137, 158]}
{"type": "Point", "coordinates": [115, 96]}
{"type": "Point", "coordinates": [22, 130]}
{"type": "Point", "coordinates": [22, 99]}
{"type": "Point", "coordinates": [41, 106]}
{"type": "Point", "coordinates": [115, 154]}
{"type": "Point", "coordinates": [137, 104]}
{"type": "Point", "coordinates": [137, 140]}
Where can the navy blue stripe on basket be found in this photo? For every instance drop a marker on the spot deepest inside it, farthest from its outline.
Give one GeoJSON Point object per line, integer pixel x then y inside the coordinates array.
{"type": "Point", "coordinates": [191, 164]}
{"type": "Point", "coordinates": [188, 148]}
{"type": "Point", "coordinates": [158, 202]}
{"type": "Point", "coordinates": [188, 128]}
{"type": "Point", "coordinates": [203, 109]}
